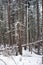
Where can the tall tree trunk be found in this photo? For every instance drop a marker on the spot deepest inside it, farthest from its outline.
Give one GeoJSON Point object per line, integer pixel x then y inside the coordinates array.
{"type": "Point", "coordinates": [20, 18]}
{"type": "Point", "coordinates": [9, 1]}
{"type": "Point", "coordinates": [38, 29]}
{"type": "Point", "coordinates": [42, 31]}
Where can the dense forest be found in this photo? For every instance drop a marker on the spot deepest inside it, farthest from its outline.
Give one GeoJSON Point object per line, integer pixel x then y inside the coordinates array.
{"type": "Point", "coordinates": [21, 26]}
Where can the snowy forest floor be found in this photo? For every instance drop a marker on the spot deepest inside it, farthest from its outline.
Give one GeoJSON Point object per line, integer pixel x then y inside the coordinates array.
{"type": "Point", "coordinates": [26, 59]}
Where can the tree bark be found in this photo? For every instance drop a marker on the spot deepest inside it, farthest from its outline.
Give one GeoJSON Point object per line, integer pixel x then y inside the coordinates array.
{"type": "Point", "coordinates": [9, 1]}
{"type": "Point", "coordinates": [42, 31]}
{"type": "Point", "coordinates": [38, 29]}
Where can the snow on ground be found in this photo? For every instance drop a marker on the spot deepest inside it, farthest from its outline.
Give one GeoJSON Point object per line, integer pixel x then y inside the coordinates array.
{"type": "Point", "coordinates": [26, 59]}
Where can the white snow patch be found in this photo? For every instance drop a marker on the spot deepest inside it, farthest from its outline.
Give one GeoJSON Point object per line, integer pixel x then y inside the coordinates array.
{"type": "Point", "coordinates": [26, 59]}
